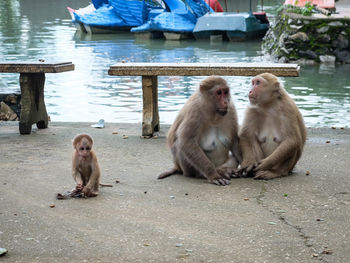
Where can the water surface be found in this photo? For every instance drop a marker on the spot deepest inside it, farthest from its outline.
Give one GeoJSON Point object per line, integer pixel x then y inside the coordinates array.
{"type": "Point", "coordinates": [42, 29]}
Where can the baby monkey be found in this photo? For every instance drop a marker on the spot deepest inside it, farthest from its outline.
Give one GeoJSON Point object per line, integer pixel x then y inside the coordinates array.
{"type": "Point", "coordinates": [85, 168]}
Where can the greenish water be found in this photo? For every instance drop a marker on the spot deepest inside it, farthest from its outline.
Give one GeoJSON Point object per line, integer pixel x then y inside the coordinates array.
{"type": "Point", "coordinates": [42, 29]}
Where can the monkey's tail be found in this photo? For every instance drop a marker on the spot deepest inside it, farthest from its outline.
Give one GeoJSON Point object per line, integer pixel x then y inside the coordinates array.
{"type": "Point", "coordinates": [169, 173]}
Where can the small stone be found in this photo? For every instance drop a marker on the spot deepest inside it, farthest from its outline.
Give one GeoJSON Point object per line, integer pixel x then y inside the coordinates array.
{"type": "Point", "coordinates": [325, 38]}
{"type": "Point", "coordinates": [315, 255]}
{"type": "Point", "coordinates": [299, 36]}
{"type": "Point", "coordinates": [327, 59]}
{"type": "Point", "coordinates": [319, 219]}
{"type": "Point", "coordinates": [179, 245]}
{"type": "Point", "coordinates": [12, 99]}
{"type": "Point", "coordinates": [6, 113]}
{"type": "Point", "coordinates": [246, 199]}
{"type": "Point", "coordinates": [308, 54]}
{"type": "Point", "coordinates": [188, 250]}
{"type": "Point", "coordinates": [343, 56]}
{"type": "Point", "coordinates": [117, 181]}
{"type": "Point", "coordinates": [172, 197]}
{"type": "Point", "coordinates": [52, 206]}
{"type": "Point", "coordinates": [327, 252]}
{"type": "Point", "coordinates": [307, 172]}
{"type": "Point", "coordinates": [322, 29]}
{"type": "Point", "coordinates": [328, 141]}
{"type": "Point", "coordinates": [272, 223]}
{"type": "Point", "coordinates": [336, 24]}
{"type": "Point", "coordinates": [125, 136]}
{"type": "Point", "coordinates": [115, 132]}
{"type": "Point", "coordinates": [334, 127]}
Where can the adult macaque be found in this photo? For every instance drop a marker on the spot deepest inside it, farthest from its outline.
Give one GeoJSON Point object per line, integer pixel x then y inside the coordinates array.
{"type": "Point", "coordinates": [204, 137]}
{"type": "Point", "coordinates": [85, 168]}
{"type": "Point", "coordinates": [273, 133]}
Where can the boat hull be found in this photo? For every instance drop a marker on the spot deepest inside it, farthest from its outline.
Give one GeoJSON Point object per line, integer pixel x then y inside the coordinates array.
{"type": "Point", "coordinates": [231, 26]}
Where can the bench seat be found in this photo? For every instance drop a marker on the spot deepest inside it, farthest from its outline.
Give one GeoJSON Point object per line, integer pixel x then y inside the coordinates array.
{"type": "Point", "coordinates": [32, 81]}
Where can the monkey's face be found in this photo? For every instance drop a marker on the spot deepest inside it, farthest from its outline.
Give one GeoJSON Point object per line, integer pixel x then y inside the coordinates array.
{"type": "Point", "coordinates": [222, 99]}
{"type": "Point", "coordinates": [84, 149]}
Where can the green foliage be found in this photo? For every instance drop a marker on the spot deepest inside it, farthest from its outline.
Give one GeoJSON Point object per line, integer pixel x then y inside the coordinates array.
{"type": "Point", "coordinates": [307, 10]}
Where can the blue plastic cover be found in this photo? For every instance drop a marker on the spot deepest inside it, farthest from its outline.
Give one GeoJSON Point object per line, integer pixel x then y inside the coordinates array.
{"type": "Point", "coordinates": [103, 16]}
{"type": "Point", "coordinates": [168, 22]}
{"type": "Point", "coordinates": [99, 3]}
{"type": "Point", "coordinates": [199, 7]}
{"type": "Point", "coordinates": [180, 19]}
{"type": "Point", "coordinates": [133, 12]}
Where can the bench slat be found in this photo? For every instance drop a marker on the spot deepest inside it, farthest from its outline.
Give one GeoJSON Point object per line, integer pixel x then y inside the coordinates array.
{"type": "Point", "coordinates": [203, 69]}
{"type": "Point", "coordinates": [35, 67]}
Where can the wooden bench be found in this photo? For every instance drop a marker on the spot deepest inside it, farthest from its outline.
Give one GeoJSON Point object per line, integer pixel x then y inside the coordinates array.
{"type": "Point", "coordinates": [32, 80]}
{"type": "Point", "coordinates": [151, 71]}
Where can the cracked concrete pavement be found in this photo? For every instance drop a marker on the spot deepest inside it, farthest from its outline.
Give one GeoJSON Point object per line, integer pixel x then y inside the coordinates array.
{"type": "Point", "coordinates": [299, 218]}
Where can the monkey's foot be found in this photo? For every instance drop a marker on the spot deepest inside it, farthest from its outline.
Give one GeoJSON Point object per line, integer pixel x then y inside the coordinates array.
{"type": "Point", "coordinates": [225, 172]}
{"type": "Point", "coordinates": [266, 175]}
{"type": "Point", "coordinates": [220, 181]}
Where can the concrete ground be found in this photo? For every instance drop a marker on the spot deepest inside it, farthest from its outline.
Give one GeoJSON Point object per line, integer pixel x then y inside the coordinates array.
{"type": "Point", "coordinates": [300, 218]}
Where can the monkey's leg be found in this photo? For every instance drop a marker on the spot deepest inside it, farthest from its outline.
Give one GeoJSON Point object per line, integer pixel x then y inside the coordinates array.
{"type": "Point", "coordinates": [187, 169]}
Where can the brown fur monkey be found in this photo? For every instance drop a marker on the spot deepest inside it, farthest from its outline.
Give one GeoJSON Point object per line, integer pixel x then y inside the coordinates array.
{"type": "Point", "coordinates": [85, 168]}
{"type": "Point", "coordinates": [204, 137]}
{"type": "Point", "coordinates": [273, 133]}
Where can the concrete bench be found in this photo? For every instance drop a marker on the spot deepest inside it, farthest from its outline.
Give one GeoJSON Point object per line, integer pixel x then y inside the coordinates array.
{"type": "Point", "coordinates": [151, 71]}
{"type": "Point", "coordinates": [32, 80]}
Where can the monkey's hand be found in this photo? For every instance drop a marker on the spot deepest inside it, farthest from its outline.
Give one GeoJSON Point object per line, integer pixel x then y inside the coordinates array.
{"type": "Point", "coordinates": [266, 175]}
{"type": "Point", "coordinates": [225, 172]}
{"type": "Point", "coordinates": [79, 187]}
{"type": "Point", "coordinates": [219, 180]}
{"type": "Point", "coordinates": [88, 192]}
{"type": "Point", "coordinates": [247, 169]}
{"type": "Point", "coordinates": [262, 165]}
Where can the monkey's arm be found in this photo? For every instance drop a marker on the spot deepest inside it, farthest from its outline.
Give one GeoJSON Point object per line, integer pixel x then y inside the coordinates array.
{"type": "Point", "coordinates": [283, 152]}
{"type": "Point", "coordinates": [75, 170]}
{"type": "Point", "coordinates": [188, 140]}
{"type": "Point", "coordinates": [251, 153]}
{"type": "Point", "coordinates": [236, 149]}
{"type": "Point", "coordinates": [94, 180]}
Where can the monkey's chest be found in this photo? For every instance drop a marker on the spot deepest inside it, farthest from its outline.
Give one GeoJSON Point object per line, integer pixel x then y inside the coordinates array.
{"type": "Point", "coordinates": [85, 171]}
{"type": "Point", "coordinates": [269, 139]}
{"type": "Point", "coordinates": [215, 145]}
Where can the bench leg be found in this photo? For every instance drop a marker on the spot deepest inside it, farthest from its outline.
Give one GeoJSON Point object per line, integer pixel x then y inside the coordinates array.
{"type": "Point", "coordinates": [150, 118]}
{"type": "Point", "coordinates": [33, 108]}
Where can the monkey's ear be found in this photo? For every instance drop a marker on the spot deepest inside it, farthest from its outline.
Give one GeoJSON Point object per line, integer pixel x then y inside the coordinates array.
{"type": "Point", "coordinates": [278, 92]}
{"type": "Point", "coordinates": [202, 88]}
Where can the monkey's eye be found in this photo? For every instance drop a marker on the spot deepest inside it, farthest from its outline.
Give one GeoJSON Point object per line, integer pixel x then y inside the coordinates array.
{"type": "Point", "coordinates": [226, 92]}
{"type": "Point", "coordinates": [82, 148]}
{"type": "Point", "coordinates": [219, 92]}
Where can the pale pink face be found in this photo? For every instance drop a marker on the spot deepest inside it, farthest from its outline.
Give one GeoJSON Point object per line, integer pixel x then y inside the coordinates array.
{"type": "Point", "coordinates": [84, 148]}
{"type": "Point", "coordinates": [257, 85]}
{"type": "Point", "coordinates": [222, 98]}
